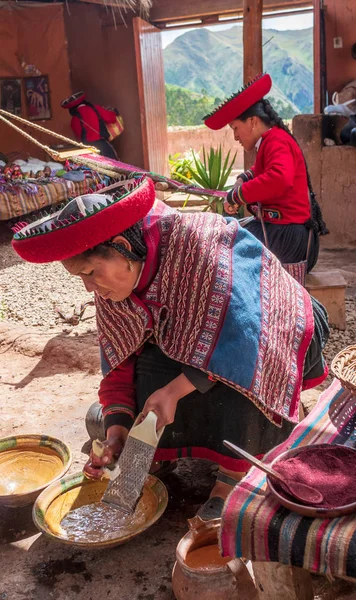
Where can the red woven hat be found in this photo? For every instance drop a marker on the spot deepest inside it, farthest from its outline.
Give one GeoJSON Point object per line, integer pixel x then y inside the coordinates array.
{"type": "Point", "coordinates": [73, 100]}
{"type": "Point", "coordinates": [84, 222]}
{"type": "Point", "coordinates": [234, 106]}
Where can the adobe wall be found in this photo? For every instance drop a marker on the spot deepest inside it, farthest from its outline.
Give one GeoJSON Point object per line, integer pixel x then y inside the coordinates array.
{"type": "Point", "coordinates": [332, 170]}
{"type": "Point", "coordinates": [99, 69]}
{"type": "Point", "coordinates": [182, 139]}
{"type": "Point", "coordinates": [35, 32]}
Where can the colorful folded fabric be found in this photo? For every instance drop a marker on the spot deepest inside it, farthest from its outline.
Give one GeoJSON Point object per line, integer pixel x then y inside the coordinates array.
{"type": "Point", "coordinates": [255, 526]}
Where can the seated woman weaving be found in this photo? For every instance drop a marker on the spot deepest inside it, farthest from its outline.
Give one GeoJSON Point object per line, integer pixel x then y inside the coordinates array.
{"type": "Point", "coordinates": [197, 321]}
{"type": "Point", "coordinates": [277, 190]}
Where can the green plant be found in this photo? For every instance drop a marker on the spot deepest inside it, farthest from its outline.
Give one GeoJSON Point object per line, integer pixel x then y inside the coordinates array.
{"type": "Point", "coordinates": [212, 173]}
{"type": "Point", "coordinates": [180, 167]}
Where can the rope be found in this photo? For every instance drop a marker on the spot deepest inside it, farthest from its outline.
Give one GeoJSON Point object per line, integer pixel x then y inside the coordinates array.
{"type": "Point", "coordinates": [114, 173]}
{"type": "Point", "coordinates": [50, 151]}
{"type": "Point", "coordinates": [95, 166]}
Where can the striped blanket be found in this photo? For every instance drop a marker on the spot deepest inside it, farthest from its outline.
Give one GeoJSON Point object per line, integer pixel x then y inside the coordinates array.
{"type": "Point", "coordinates": [257, 527]}
{"type": "Point", "coordinates": [14, 205]}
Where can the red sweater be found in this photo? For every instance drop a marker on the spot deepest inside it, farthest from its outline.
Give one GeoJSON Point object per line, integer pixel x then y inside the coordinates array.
{"type": "Point", "coordinates": [117, 395]}
{"type": "Point", "coordinates": [91, 121]}
{"type": "Point", "coordinates": [279, 180]}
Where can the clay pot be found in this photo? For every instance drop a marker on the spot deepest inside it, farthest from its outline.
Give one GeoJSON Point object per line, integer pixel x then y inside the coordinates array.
{"type": "Point", "coordinates": [28, 464]}
{"type": "Point", "coordinates": [231, 581]}
{"type": "Point", "coordinates": [74, 491]}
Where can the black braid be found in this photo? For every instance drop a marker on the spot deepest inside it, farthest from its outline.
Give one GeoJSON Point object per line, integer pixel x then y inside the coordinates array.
{"type": "Point", "coordinates": [133, 235]}
{"type": "Point", "coordinates": [264, 110]}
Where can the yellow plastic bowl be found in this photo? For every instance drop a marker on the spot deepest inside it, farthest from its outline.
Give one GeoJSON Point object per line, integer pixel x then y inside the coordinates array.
{"type": "Point", "coordinates": [28, 463]}
{"type": "Point", "coordinates": [74, 491]}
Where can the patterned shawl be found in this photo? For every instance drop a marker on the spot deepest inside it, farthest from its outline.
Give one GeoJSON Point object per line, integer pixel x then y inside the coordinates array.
{"type": "Point", "coordinates": [213, 297]}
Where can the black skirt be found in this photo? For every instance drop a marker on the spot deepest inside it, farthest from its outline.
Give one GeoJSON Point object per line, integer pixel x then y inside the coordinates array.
{"type": "Point", "coordinates": [288, 242]}
{"type": "Point", "coordinates": [106, 149]}
{"type": "Point", "coordinates": [203, 421]}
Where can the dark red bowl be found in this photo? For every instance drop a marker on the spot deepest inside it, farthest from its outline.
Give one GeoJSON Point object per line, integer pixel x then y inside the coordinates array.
{"type": "Point", "coordinates": [303, 509]}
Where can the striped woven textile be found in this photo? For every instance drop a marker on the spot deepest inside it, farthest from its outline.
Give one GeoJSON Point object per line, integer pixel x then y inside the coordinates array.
{"type": "Point", "coordinates": [22, 203]}
{"type": "Point", "coordinates": [255, 526]}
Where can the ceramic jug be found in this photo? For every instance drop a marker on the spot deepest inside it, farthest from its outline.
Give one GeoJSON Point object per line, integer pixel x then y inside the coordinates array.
{"type": "Point", "coordinates": [230, 581]}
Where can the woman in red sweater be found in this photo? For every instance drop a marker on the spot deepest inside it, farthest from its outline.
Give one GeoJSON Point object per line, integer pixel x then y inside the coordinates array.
{"type": "Point", "coordinates": [277, 189]}
{"type": "Point", "coordinates": [88, 123]}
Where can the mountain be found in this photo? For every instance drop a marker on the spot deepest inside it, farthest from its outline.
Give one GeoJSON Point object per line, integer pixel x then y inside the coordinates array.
{"type": "Point", "coordinates": [211, 63]}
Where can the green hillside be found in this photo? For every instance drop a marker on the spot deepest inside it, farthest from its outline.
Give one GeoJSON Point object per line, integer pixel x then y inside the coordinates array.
{"type": "Point", "coordinates": [211, 63]}
{"type": "Point", "coordinates": [186, 108]}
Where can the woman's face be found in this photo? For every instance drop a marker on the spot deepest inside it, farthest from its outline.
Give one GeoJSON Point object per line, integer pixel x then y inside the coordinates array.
{"type": "Point", "coordinates": [246, 132]}
{"type": "Point", "coordinates": [111, 277]}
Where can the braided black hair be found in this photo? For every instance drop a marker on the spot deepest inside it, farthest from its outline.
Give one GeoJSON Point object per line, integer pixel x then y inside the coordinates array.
{"type": "Point", "coordinates": [133, 235]}
{"type": "Point", "coordinates": [265, 111]}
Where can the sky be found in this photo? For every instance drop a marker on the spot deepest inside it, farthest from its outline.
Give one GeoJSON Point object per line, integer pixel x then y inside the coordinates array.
{"type": "Point", "coordinates": [282, 23]}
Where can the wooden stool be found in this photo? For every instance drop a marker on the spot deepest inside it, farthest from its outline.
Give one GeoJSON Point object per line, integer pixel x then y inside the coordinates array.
{"type": "Point", "coordinates": [329, 288]}
{"type": "Point", "coordinates": [282, 582]}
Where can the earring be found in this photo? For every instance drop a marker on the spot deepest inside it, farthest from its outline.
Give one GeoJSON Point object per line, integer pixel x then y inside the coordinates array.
{"type": "Point", "coordinates": [131, 267]}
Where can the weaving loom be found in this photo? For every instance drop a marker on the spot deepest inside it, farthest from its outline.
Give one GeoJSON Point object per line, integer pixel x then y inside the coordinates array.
{"type": "Point", "coordinates": [82, 154]}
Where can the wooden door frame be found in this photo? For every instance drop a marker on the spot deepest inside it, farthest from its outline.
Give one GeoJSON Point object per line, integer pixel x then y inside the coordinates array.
{"type": "Point", "coordinates": [141, 94]}
{"type": "Point", "coordinates": [137, 22]}
{"type": "Point", "coordinates": [316, 56]}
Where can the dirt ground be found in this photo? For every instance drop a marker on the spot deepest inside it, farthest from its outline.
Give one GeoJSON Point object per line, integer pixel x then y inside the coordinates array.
{"type": "Point", "coordinates": [40, 395]}
{"type": "Point", "coordinates": [49, 376]}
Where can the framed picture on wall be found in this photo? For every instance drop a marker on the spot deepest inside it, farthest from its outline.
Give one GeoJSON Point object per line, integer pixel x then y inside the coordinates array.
{"type": "Point", "coordinates": [37, 98]}
{"type": "Point", "coordinates": [10, 95]}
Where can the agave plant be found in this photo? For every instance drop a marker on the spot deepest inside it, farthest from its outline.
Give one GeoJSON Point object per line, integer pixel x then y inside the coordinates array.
{"type": "Point", "coordinates": [212, 173]}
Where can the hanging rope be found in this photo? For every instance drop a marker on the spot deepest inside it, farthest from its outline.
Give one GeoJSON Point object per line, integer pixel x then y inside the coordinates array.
{"type": "Point", "coordinates": [114, 173]}
{"type": "Point", "coordinates": [5, 116]}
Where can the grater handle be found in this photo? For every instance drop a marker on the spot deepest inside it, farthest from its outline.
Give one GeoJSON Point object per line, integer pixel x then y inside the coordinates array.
{"type": "Point", "coordinates": [146, 430]}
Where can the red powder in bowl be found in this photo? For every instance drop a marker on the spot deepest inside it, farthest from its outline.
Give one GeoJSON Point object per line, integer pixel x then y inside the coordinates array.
{"type": "Point", "coordinates": [330, 470]}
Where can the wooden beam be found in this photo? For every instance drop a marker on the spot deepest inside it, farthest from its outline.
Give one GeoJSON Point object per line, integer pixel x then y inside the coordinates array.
{"type": "Point", "coordinates": [252, 39]}
{"type": "Point", "coordinates": [233, 18]}
{"type": "Point", "coordinates": [168, 10]}
{"type": "Point", "coordinates": [252, 48]}
{"type": "Point", "coordinates": [105, 3]}
{"type": "Point", "coordinates": [317, 47]}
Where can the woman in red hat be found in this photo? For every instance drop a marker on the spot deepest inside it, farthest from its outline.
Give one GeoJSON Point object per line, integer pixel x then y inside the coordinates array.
{"type": "Point", "coordinates": [197, 321]}
{"type": "Point", "coordinates": [277, 190]}
{"type": "Point", "coordinates": [88, 123]}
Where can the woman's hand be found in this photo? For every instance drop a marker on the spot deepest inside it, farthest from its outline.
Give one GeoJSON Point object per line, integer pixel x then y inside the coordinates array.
{"type": "Point", "coordinates": [164, 401]}
{"type": "Point", "coordinates": [113, 445]}
{"type": "Point", "coordinates": [231, 209]}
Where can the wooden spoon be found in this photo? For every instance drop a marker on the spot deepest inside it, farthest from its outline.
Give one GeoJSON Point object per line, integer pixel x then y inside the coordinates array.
{"type": "Point", "coordinates": [302, 492]}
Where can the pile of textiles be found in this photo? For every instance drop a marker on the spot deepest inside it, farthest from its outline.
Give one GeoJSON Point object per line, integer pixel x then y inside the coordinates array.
{"type": "Point", "coordinates": [28, 186]}
{"type": "Point", "coordinates": [257, 527]}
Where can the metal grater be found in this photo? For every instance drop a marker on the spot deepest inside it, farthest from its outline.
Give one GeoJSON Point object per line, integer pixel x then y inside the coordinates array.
{"type": "Point", "coordinates": [132, 468]}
